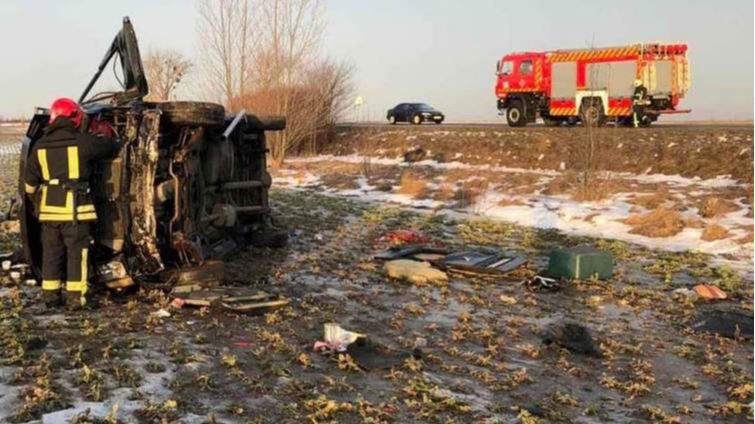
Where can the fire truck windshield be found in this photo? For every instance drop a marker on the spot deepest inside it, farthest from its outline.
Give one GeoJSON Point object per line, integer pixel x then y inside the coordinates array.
{"type": "Point", "coordinates": [507, 67]}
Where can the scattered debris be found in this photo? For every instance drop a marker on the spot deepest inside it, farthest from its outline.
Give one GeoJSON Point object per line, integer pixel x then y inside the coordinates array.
{"type": "Point", "coordinates": [238, 300]}
{"type": "Point", "coordinates": [540, 283]}
{"type": "Point", "coordinates": [482, 262]}
{"type": "Point", "coordinates": [161, 313]}
{"type": "Point", "coordinates": [420, 252]}
{"type": "Point", "coordinates": [685, 293]}
{"type": "Point", "coordinates": [572, 336]}
{"type": "Point", "coordinates": [6, 265]}
{"type": "Point", "coordinates": [727, 322]}
{"type": "Point", "coordinates": [710, 292]}
{"type": "Point", "coordinates": [581, 263]}
{"type": "Point", "coordinates": [336, 338]}
{"type": "Point", "coordinates": [415, 272]}
{"type": "Point", "coordinates": [472, 262]}
{"type": "Point", "coordinates": [406, 237]}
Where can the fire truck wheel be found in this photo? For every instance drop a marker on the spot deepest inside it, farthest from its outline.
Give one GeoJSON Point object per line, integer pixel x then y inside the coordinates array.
{"type": "Point", "coordinates": [592, 114]}
{"type": "Point", "coordinates": [515, 115]}
{"type": "Point", "coordinates": [416, 119]}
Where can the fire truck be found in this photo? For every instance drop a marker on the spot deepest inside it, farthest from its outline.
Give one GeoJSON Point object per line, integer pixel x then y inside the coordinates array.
{"type": "Point", "coordinates": [592, 86]}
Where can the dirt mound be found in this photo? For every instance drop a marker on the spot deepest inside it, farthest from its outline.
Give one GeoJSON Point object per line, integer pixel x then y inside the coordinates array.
{"type": "Point", "coordinates": [703, 152]}
{"type": "Point", "coordinates": [659, 223]}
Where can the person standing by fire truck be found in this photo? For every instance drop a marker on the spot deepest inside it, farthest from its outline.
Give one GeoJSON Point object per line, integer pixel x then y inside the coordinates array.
{"type": "Point", "coordinates": [57, 178]}
{"type": "Point", "coordinates": [639, 101]}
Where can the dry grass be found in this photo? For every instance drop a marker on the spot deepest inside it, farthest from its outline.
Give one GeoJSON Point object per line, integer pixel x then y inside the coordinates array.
{"type": "Point", "coordinates": [715, 232]}
{"type": "Point", "coordinates": [714, 207]}
{"type": "Point", "coordinates": [445, 192]}
{"type": "Point", "coordinates": [559, 185]}
{"type": "Point", "coordinates": [651, 201]}
{"type": "Point", "coordinates": [412, 185]}
{"type": "Point", "coordinates": [470, 190]}
{"type": "Point", "coordinates": [659, 223]}
{"type": "Point", "coordinates": [750, 234]}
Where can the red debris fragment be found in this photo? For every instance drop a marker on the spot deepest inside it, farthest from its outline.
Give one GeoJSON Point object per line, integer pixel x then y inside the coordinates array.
{"type": "Point", "coordinates": [406, 237]}
{"type": "Point", "coordinates": [707, 291]}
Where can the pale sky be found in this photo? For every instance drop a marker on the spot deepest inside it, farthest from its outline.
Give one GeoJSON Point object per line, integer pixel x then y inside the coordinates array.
{"type": "Point", "coordinates": [442, 52]}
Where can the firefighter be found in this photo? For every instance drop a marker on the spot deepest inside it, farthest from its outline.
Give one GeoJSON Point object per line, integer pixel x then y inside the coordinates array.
{"type": "Point", "coordinates": [639, 100]}
{"type": "Point", "coordinates": [57, 178]}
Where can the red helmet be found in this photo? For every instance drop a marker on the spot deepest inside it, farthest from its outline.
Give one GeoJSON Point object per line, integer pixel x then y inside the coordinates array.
{"type": "Point", "coordinates": [68, 108]}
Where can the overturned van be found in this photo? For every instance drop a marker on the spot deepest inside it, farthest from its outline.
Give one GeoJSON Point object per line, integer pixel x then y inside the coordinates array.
{"type": "Point", "coordinates": [188, 187]}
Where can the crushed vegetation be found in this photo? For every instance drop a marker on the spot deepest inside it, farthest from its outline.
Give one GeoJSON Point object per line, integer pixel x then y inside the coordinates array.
{"type": "Point", "coordinates": [484, 358]}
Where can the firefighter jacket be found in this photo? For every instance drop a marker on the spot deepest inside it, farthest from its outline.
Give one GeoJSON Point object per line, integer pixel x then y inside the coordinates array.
{"type": "Point", "coordinates": [58, 171]}
{"type": "Point", "coordinates": [640, 93]}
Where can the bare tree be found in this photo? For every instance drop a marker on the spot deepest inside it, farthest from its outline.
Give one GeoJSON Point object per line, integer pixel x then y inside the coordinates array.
{"type": "Point", "coordinates": [165, 69]}
{"type": "Point", "coordinates": [225, 33]}
{"type": "Point", "coordinates": [290, 36]}
{"type": "Point", "coordinates": [267, 60]}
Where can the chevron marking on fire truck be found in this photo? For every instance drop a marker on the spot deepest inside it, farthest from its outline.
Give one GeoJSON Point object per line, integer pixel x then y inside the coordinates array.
{"type": "Point", "coordinates": [619, 111]}
{"type": "Point", "coordinates": [563, 111]}
{"type": "Point", "coordinates": [594, 54]}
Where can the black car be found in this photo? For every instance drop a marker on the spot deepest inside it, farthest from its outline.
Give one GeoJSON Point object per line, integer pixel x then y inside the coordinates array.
{"type": "Point", "coordinates": [416, 113]}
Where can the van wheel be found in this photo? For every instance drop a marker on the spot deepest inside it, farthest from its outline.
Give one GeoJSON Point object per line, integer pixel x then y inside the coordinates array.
{"type": "Point", "coordinates": [416, 119]}
{"type": "Point", "coordinates": [192, 113]}
{"type": "Point", "coordinates": [515, 115]}
{"type": "Point", "coordinates": [392, 120]}
{"type": "Point", "coordinates": [592, 113]}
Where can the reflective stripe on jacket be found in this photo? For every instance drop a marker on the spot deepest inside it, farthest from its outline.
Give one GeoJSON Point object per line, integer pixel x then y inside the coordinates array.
{"type": "Point", "coordinates": [59, 167]}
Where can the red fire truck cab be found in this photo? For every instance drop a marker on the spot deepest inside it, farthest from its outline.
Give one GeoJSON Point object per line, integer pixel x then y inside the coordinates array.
{"type": "Point", "coordinates": [592, 86]}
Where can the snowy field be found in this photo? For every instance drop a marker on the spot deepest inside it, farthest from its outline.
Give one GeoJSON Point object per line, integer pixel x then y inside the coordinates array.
{"type": "Point", "coordinates": [601, 219]}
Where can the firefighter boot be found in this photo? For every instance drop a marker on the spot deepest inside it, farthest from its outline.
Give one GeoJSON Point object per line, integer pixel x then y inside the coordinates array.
{"type": "Point", "coordinates": [75, 300]}
{"type": "Point", "coordinates": [51, 294]}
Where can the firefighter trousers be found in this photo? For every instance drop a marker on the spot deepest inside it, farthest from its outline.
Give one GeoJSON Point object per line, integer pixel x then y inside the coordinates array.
{"type": "Point", "coordinates": [638, 115]}
{"type": "Point", "coordinates": [65, 257]}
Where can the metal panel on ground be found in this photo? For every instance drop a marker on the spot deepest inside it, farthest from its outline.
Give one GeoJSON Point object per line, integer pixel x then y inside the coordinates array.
{"type": "Point", "coordinates": [564, 80]}
{"type": "Point", "coordinates": [614, 77]}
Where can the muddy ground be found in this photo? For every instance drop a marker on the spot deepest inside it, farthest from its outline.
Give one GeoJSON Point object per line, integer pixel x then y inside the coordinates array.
{"type": "Point", "coordinates": [484, 359]}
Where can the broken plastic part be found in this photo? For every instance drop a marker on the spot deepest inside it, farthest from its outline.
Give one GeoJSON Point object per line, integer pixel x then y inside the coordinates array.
{"type": "Point", "coordinates": [339, 339]}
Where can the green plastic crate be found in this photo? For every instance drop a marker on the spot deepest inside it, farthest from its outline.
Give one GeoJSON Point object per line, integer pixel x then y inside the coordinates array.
{"type": "Point", "coordinates": [582, 263]}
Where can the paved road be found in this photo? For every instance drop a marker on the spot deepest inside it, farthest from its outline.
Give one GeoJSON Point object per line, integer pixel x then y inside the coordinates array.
{"type": "Point", "coordinates": [669, 125]}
